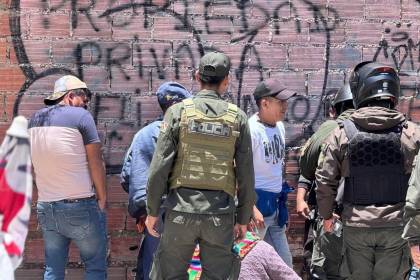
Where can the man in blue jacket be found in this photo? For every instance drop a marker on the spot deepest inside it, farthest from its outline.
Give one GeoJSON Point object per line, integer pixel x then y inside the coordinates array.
{"type": "Point", "coordinates": [136, 169]}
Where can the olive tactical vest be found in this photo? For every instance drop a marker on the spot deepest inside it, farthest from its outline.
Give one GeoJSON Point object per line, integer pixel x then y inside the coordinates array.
{"type": "Point", "coordinates": [376, 166]}
{"type": "Point", "coordinates": [206, 150]}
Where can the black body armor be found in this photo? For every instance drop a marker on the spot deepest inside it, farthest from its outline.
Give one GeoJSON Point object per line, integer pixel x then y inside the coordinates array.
{"type": "Point", "coordinates": [376, 166]}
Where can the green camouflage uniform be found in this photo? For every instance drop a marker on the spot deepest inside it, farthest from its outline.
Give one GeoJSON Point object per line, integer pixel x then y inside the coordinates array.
{"type": "Point", "coordinates": [193, 215]}
{"type": "Point", "coordinates": [372, 243]}
{"type": "Point", "coordinates": [326, 254]}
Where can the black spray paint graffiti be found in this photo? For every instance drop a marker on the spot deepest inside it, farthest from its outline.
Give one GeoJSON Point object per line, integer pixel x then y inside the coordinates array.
{"type": "Point", "coordinates": [114, 56]}
{"type": "Point", "coordinates": [401, 51]}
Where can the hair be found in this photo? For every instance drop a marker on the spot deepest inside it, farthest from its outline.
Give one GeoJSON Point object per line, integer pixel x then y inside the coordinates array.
{"type": "Point", "coordinates": [343, 106]}
{"type": "Point", "coordinates": [211, 81]}
{"type": "Point", "coordinates": [82, 91]}
{"type": "Point", "coordinates": [165, 106]}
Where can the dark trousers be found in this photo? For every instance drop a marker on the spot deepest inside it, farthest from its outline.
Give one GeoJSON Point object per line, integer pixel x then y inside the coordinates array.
{"type": "Point", "coordinates": [181, 233]}
{"type": "Point", "coordinates": [374, 254]}
{"type": "Point", "coordinates": [145, 257]}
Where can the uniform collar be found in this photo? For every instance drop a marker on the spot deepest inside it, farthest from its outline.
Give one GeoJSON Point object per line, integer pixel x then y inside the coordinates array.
{"type": "Point", "coordinates": [208, 93]}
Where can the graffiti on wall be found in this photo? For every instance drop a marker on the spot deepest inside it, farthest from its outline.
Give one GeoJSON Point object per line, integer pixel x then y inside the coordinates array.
{"type": "Point", "coordinates": [125, 49]}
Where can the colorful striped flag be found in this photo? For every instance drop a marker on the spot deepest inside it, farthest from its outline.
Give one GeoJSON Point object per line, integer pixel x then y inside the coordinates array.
{"type": "Point", "coordinates": [15, 195]}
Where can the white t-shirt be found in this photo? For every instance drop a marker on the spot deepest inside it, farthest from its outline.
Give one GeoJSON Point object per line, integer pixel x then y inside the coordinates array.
{"type": "Point", "coordinates": [268, 148]}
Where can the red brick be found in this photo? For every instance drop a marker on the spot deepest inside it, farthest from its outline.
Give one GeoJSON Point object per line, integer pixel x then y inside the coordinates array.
{"type": "Point", "coordinates": [300, 109]}
{"type": "Point", "coordinates": [348, 9]}
{"type": "Point", "coordinates": [149, 107]}
{"type": "Point", "coordinates": [4, 24]}
{"type": "Point", "coordinates": [34, 250]}
{"type": "Point", "coordinates": [163, 28]}
{"type": "Point", "coordinates": [292, 80]}
{"type": "Point", "coordinates": [306, 11]}
{"type": "Point", "coordinates": [11, 78]}
{"type": "Point", "coordinates": [217, 29]}
{"type": "Point", "coordinates": [29, 274]}
{"type": "Point", "coordinates": [63, 52]}
{"type": "Point", "coordinates": [383, 9]}
{"type": "Point", "coordinates": [116, 217]}
{"type": "Point", "coordinates": [363, 33]}
{"type": "Point", "coordinates": [29, 104]}
{"type": "Point", "coordinates": [3, 51]}
{"type": "Point", "coordinates": [337, 33]}
{"type": "Point", "coordinates": [111, 156]}
{"type": "Point", "coordinates": [85, 30]}
{"type": "Point", "coordinates": [234, 51]}
{"type": "Point", "coordinates": [97, 79]}
{"type": "Point", "coordinates": [409, 10]}
{"type": "Point", "coordinates": [120, 248]}
{"type": "Point", "coordinates": [316, 82]}
{"type": "Point", "coordinates": [38, 51]}
{"type": "Point", "coordinates": [4, 4]}
{"type": "Point", "coordinates": [115, 192]}
{"type": "Point", "coordinates": [306, 58]}
{"type": "Point", "coordinates": [58, 25]}
{"type": "Point", "coordinates": [291, 31]}
{"type": "Point", "coordinates": [261, 26]}
{"type": "Point", "coordinates": [344, 58]}
{"type": "Point", "coordinates": [120, 84]}
{"type": "Point", "coordinates": [143, 54]}
{"type": "Point", "coordinates": [128, 27]}
{"type": "Point", "coordinates": [271, 56]}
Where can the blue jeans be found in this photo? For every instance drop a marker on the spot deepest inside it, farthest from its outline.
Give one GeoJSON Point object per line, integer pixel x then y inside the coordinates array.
{"type": "Point", "coordinates": [147, 251]}
{"type": "Point", "coordinates": [145, 257]}
{"type": "Point", "coordinates": [81, 222]}
{"type": "Point", "coordinates": [276, 236]}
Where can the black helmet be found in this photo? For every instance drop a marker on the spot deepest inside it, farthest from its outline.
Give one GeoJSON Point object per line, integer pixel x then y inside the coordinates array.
{"type": "Point", "coordinates": [342, 95]}
{"type": "Point", "coordinates": [370, 80]}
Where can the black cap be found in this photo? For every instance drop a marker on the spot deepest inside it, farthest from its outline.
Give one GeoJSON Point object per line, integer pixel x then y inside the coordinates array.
{"type": "Point", "coordinates": [274, 88]}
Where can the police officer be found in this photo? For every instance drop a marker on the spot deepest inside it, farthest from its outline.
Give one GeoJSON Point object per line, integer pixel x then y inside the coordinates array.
{"type": "Point", "coordinates": [326, 247]}
{"type": "Point", "coordinates": [203, 152]}
{"type": "Point", "coordinates": [373, 151]}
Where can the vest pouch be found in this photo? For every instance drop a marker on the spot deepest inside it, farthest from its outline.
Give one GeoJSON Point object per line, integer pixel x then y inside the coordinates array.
{"type": "Point", "coordinates": [207, 168]}
{"type": "Point", "coordinates": [267, 202]}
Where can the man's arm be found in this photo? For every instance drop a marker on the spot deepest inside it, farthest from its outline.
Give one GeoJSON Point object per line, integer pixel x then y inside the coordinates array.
{"type": "Point", "coordinates": [412, 213]}
{"type": "Point", "coordinates": [302, 207]}
{"type": "Point", "coordinates": [139, 172]}
{"type": "Point", "coordinates": [161, 165]}
{"type": "Point", "coordinates": [328, 172]}
{"type": "Point", "coordinates": [97, 171]}
{"type": "Point", "coordinates": [244, 173]}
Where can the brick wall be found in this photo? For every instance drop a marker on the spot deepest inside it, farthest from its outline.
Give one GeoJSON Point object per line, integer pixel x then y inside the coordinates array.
{"type": "Point", "coordinates": [125, 49]}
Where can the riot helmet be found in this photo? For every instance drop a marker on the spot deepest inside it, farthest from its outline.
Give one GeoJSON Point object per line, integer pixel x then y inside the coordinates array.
{"type": "Point", "coordinates": [372, 81]}
{"type": "Point", "coordinates": [343, 99]}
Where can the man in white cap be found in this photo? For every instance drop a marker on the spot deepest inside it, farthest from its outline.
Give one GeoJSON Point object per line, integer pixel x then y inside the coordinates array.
{"type": "Point", "coordinates": [70, 178]}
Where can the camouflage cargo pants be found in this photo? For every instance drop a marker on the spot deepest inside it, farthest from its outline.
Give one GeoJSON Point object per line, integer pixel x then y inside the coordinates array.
{"type": "Point", "coordinates": [374, 253]}
{"type": "Point", "coordinates": [182, 231]}
{"type": "Point", "coordinates": [326, 255]}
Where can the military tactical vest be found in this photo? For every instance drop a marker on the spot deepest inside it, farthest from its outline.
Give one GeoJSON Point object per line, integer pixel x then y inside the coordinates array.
{"type": "Point", "coordinates": [206, 149]}
{"type": "Point", "coordinates": [376, 166]}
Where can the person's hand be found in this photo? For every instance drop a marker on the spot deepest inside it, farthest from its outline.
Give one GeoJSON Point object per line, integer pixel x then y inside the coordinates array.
{"type": "Point", "coordinates": [302, 208]}
{"type": "Point", "coordinates": [239, 231]}
{"type": "Point", "coordinates": [415, 255]}
{"type": "Point", "coordinates": [151, 225]}
{"type": "Point", "coordinates": [102, 204]}
{"type": "Point", "coordinates": [258, 219]}
{"type": "Point", "coordinates": [141, 224]}
{"type": "Point", "coordinates": [329, 223]}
